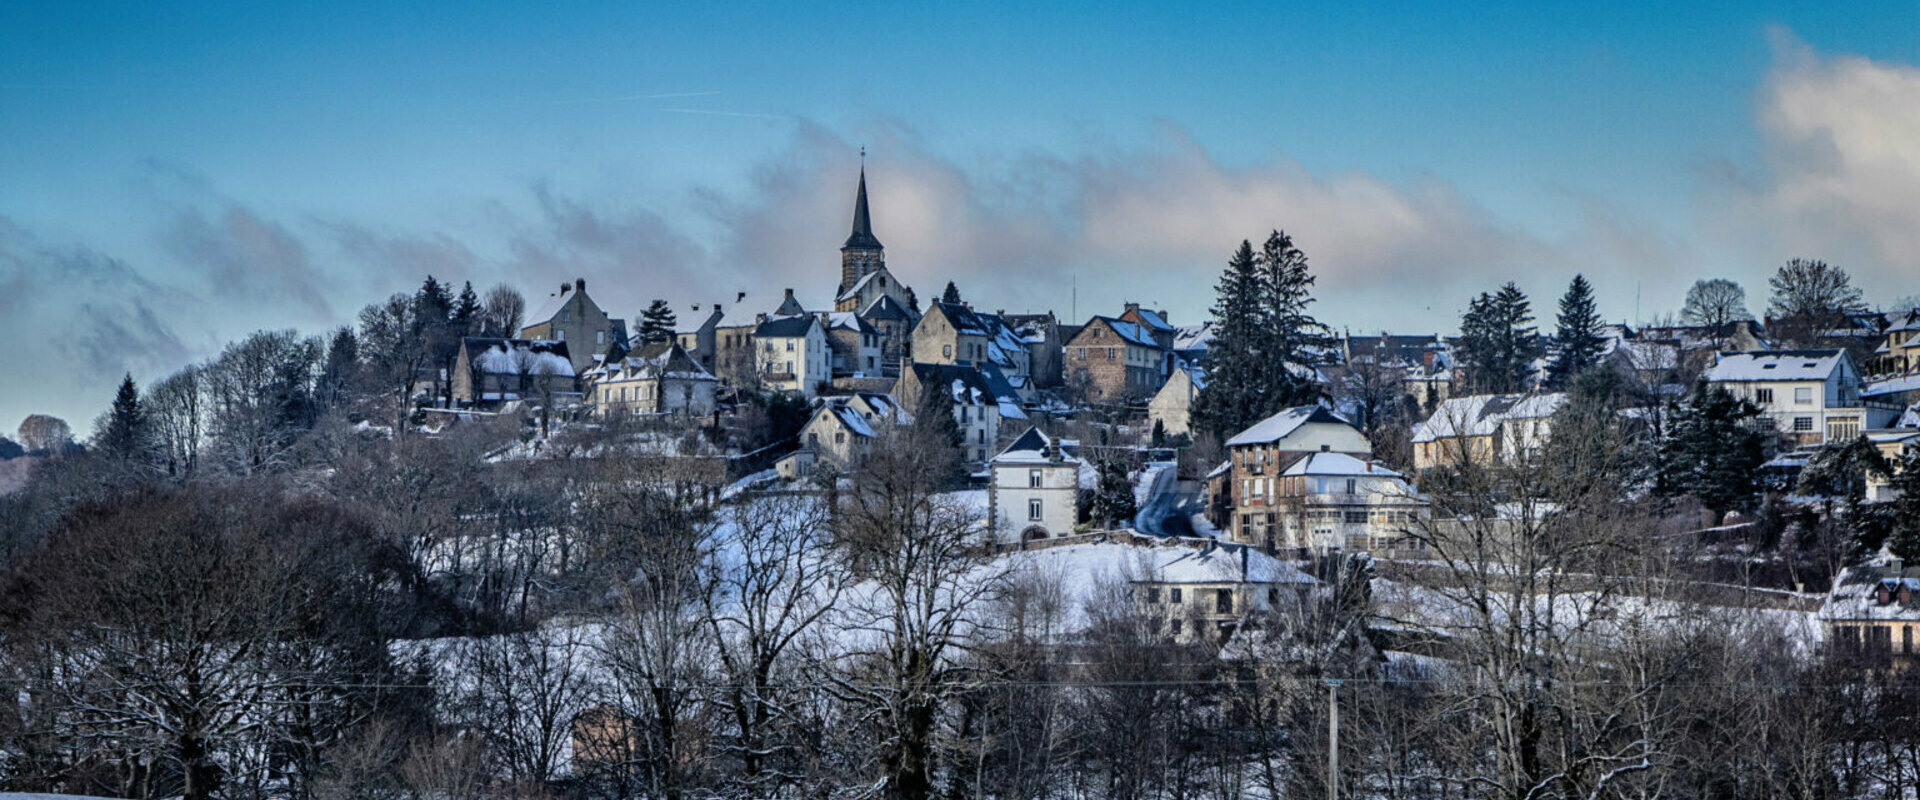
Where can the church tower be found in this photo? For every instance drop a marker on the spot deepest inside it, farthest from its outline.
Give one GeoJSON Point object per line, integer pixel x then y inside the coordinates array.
{"type": "Point", "coordinates": [862, 254]}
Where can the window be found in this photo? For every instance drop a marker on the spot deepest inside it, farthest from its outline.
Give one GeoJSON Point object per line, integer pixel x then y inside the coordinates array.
{"type": "Point", "coordinates": [1176, 623]}
{"type": "Point", "coordinates": [789, 366]}
{"type": "Point", "coordinates": [1802, 424]}
{"type": "Point", "coordinates": [839, 437]}
{"type": "Point", "coordinates": [1033, 479]}
{"type": "Point", "coordinates": [1153, 594]}
{"type": "Point", "coordinates": [599, 337]}
{"type": "Point", "coordinates": [1223, 601]}
{"type": "Point", "coordinates": [1033, 508]}
{"type": "Point", "coordinates": [983, 436]}
{"type": "Point", "coordinates": [1173, 595]}
{"type": "Point", "coordinates": [789, 345]}
{"type": "Point", "coordinates": [1109, 354]}
{"type": "Point", "coordinates": [566, 316]}
{"type": "Point", "coordinates": [946, 351]}
{"type": "Point", "coordinates": [1803, 395]}
{"type": "Point", "coordinates": [1356, 517]}
{"type": "Point", "coordinates": [1350, 486]}
{"type": "Point", "coordinates": [813, 440]}
{"type": "Point", "coordinates": [559, 334]}
{"type": "Point", "coordinates": [1763, 396]}
{"type": "Point", "coordinates": [963, 415]}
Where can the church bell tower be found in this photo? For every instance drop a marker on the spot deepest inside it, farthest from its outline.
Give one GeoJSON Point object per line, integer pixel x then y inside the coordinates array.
{"type": "Point", "coordinates": [862, 254]}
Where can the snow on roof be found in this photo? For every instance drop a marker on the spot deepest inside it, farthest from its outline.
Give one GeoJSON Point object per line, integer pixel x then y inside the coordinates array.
{"type": "Point", "coordinates": [1133, 332]}
{"type": "Point", "coordinates": [1907, 383]}
{"type": "Point", "coordinates": [1910, 418]}
{"type": "Point", "coordinates": [1482, 414]}
{"type": "Point", "coordinates": [1856, 595]}
{"type": "Point", "coordinates": [1193, 337]}
{"type": "Point", "coordinates": [1283, 424]}
{"type": "Point", "coordinates": [1775, 365]}
{"type": "Point", "coordinates": [1030, 448]}
{"type": "Point", "coordinates": [850, 417]}
{"type": "Point", "coordinates": [520, 357]}
{"type": "Point", "coordinates": [849, 321]}
{"type": "Point", "coordinates": [1152, 320]}
{"type": "Point", "coordinates": [854, 290]}
{"type": "Point", "coordinates": [1339, 465]}
{"type": "Point", "coordinates": [1217, 564]}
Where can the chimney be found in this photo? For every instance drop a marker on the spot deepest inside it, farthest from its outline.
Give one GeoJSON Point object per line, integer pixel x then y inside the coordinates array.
{"type": "Point", "coordinates": [1163, 316]}
{"type": "Point", "coordinates": [564, 288]}
{"type": "Point", "coordinates": [789, 294]}
{"type": "Point", "coordinates": [579, 284]}
{"type": "Point", "coordinates": [1369, 466]}
{"type": "Point", "coordinates": [1133, 307]}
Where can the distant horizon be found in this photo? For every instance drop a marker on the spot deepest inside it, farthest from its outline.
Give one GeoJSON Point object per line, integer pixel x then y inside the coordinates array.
{"type": "Point", "coordinates": [178, 177]}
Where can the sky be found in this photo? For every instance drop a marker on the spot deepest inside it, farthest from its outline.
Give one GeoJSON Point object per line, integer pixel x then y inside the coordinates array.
{"type": "Point", "coordinates": [174, 176]}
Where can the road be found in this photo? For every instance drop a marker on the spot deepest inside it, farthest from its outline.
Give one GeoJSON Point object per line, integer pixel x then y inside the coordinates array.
{"type": "Point", "coordinates": [1165, 511]}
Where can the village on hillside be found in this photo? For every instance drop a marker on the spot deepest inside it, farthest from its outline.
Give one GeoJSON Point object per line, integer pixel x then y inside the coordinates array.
{"type": "Point", "coordinates": [859, 540]}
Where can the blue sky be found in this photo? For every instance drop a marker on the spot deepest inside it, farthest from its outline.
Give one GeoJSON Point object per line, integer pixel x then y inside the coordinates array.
{"type": "Point", "coordinates": [175, 175]}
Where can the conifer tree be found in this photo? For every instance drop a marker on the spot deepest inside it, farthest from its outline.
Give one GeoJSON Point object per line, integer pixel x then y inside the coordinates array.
{"type": "Point", "coordinates": [466, 310]}
{"type": "Point", "coordinates": [1264, 341]}
{"type": "Point", "coordinates": [124, 437]}
{"type": "Point", "coordinates": [1904, 539]}
{"type": "Point", "coordinates": [1498, 345]}
{"type": "Point", "coordinates": [951, 295]}
{"type": "Point", "coordinates": [1710, 451]}
{"type": "Point", "coordinates": [1577, 342]}
{"type": "Point", "coordinates": [657, 323]}
{"type": "Point", "coordinates": [433, 302]}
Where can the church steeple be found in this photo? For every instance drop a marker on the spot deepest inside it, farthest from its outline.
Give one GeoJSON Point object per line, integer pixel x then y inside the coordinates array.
{"type": "Point", "coordinates": [863, 254]}
{"type": "Point", "coordinates": [862, 237]}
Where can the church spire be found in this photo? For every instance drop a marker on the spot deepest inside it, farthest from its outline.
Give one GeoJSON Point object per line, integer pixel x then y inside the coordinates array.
{"type": "Point", "coordinates": [862, 237]}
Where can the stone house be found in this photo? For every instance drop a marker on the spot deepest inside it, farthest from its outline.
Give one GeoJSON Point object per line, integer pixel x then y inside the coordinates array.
{"type": "Point", "coordinates": [976, 408]}
{"type": "Point", "coordinates": [1244, 497]}
{"type": "Point", "coordinates": [1202, 595]}
{"type": "Point", "coordinates": [1113, 360]}
{"type": "Point", "coordinates": [856, 345]}
{"type": "Point", "coordinates": [1333, 501]}
{"type": "Point", "coordinates": [571, 316]}
{"type": "Point", "coordinates": [843, 429]}
{"type": "Point", "coordinates": [950, 333]}
{"type": "Point", "coordinates": [490, 371]}
{"type": "Point", "coordinates": [1486, 429]}
{"type": "Point", "coordinates": [1172, 407]}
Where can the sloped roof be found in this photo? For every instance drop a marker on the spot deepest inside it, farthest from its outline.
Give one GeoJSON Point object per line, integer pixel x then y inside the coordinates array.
{"type": "Point", "coordinates": [963, 319]}
{"type": "Point", "coordinates": [1130, 332]}
{"type": "Point", "coordinates": [495, 356]}
{"type": "Point", "coordinates": [966, 385]}
{"type": "Point", "coordinates": [862, 235]}
{"type": "Point", "coordinates": [1482, 414]}
{"type": "Point", "coordinates": [849, 321]}
{"type": "Point", "coordinates": [784, 327]}
{"type": "Point", "coordinates": [1219, 564]}
{"type": "Point", "coordinates": [1030, 448]}
{"type": "Point", "coordinates": [1775, 365]}
{"type": "Point", "coordinates": [1339, 465]}
{"type": "Point", "coordinates": [660, 360]}
{"type": "Point", "coordinates": [1279, 426]}
{"type": "Point", "coordinates": [1152, 320]}
{"type": "Point", "coordinates": [885, 307]}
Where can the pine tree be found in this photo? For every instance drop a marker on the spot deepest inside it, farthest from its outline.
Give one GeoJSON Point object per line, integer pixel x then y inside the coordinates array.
{"type": "Point", "coordinates": [1225, 405]}
{"type": "Point", "coordinates": [432, 303]}
{"type": "Point", "coordinates": [466, 310]}
{"type": "Point", "coordinates": [951, 295]}
{"type": "Point", "coordinates": [1113, 503]}
{"type": "Point", "coordinates": [1577, 342]}
{"type": "Point", "coordinates": [1265, 343]}
{"type": "Point", "coordinates": [343, 358]}
{"type": "Point", "coordinates": [124, 438]}
{"type": "Point", "coordinates": [1498, 345]}
{"type": "Point", "coordinates": [657, 323]}
{"type": "Point", "coordinates": [1710, 451]}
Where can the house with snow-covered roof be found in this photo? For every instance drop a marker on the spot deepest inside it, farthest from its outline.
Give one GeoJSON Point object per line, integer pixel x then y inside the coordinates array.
{"type": "Point", "coordinates": [855, 345]}
{"type": "Point", "coordinates": [1334, 501]}
{"type": "Point", "coordinates": [1034, 492]}
{"type": "Point", "coordinates": [1112, 360]}
{"type": "Point", "coordinates": [1899, 351]}
{"type": "Point", "coordinates": [1872, 614]}
{"type": "Point", "coordinates": [490, 371]}
{"type": "Point", "coordinates": [843, 429]}
{"type": "Point", "coordinates": [1486, 429]}
{"type": "Point", "coordinates": [1195, 595]}
{"type": "Point", "coordinates": [1243, 497]}
{"type": "Point", "coordinates": [950, 333]}
{"type": "Point", "coordinates": [658, 378]}
{"type": "Point", "coordinates": [1811, 396]}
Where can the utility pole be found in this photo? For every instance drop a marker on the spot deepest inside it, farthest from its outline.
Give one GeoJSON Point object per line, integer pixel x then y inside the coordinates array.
{"type": "Point", "coordinates": [1333, 738]}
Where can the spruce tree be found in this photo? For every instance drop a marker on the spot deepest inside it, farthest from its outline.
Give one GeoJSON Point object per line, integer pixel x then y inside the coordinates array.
{"type": "Point", "coordinates": [125, 435]}
{"type": "Point", "coordinates": [466, 310]}
{"type": "Point", "coordinates": [1498, 345]}
{"type": "Point", "coordinates": [657, 323]}
{"type": "Point", "coordinates": [951, 295]}
{"type": "Point", "coordinates": [433, 303]}
{"type": "Point", "coordinates": [1577, 342]}
{"type": "Point", "coordinates": [1226, 405]}
{"type": "Point", "coordinates": [1296, 341]}
{"type": "Point", "coordinates": [1904, 539]}
{"type": "Point", "coordinates": [1711, 451]}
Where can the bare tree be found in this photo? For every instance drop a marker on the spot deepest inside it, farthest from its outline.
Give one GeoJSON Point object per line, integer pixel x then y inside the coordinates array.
{"type": "Point", "coordinates": [42, 433]}
{"type": "Point", "coordinates": [922, 554]}
{"type": "Point", "coordinates": [1715, 304]}
{"type": "Point", "coordinates": [501, 312]}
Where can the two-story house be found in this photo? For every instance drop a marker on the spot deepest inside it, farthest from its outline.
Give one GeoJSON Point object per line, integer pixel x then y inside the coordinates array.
{"type": "Point", "coordinates": [1205, 594]}
{"type": "Point", "coordinates": [1244, 497]}
{"type": "Point", "coordinates": [855, 343]}
{"type": "Point", "coordinates": [1872, 614]}
{"type": "Point", "coordinates": [571, 316]}
{"type": "Point", "coordinates": [1333, 501]}
{"type": "Point", "coordinates": [1112, 360]}
{"type": "Point", "coordinates": [1486, 429]}
{"type": "Point", "coordinates": [659, 378]}
{"type": "Point", "coordinates": [950, 333]}
{"type": "Point", "coordinates": [1811, 396]}
{"type": "Point", "coordinates": [1899, 352]}
{"type": "Point", "coordinates": [844, 429]}
{"type": "Point", "coordinates": [1035, 490]}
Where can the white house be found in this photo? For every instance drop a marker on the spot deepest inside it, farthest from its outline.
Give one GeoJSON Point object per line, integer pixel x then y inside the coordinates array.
{"type": "Point", "coordinates": [1812, 396]}
{"type": "Point", "coordinates": [1172, 406]}
{"type": "Point", "coordinates": [792, 353]}
{"type": "Point", "coordinates": [1486, 429]}
{"type": "Point", "coordinates": [1035, 490]}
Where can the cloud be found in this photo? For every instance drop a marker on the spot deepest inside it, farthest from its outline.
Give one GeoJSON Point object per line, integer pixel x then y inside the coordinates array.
{"type": "Point", "coordinates": [245, 257]}
{"type": "Point", "coordinates": [75, 320]}
{"type": "Point", "coordinates": [1841, 167]}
